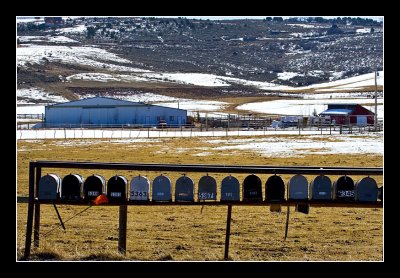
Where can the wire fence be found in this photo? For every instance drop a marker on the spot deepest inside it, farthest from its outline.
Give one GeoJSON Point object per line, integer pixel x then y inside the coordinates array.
{"type": "Point", "coordinates": [153, 132]}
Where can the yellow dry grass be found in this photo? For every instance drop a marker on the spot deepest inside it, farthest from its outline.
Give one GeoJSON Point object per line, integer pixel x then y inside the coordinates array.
{"type": "Point", "coordinates": [184, 233]}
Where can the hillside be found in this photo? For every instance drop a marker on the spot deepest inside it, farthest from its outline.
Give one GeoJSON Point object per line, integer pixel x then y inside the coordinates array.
{"type": "Point", "coordinates": [160, 55]}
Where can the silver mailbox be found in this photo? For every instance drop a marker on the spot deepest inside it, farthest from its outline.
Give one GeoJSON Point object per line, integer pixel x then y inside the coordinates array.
{"type": "Point", "coordinates": [321, 188]}
{"type": "Point", "coordinates": [207, 188]}
{"type": "Point", "coordinates": [230, 189]}
{"type": "Point", "coordinates": [49, 187]}
{"type": "Point", "coordinates": [161, 189]}
{"type": "Point", "coordinates": [140, 189]}
{"type": "Point", "coordinates": [184, 189]}
{"type": "Point", "coordinates": [298, 188]}
{"type": "Point", "coordinates": [366, 189]}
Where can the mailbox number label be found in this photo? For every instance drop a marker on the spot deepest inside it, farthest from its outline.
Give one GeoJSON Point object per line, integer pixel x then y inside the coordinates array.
{"type": "Point", "coordinates": [206, 195]}
{"type": "Point", "coordinates": [253, 193]}
{"type": "Point", "coordinates": [228, 194]}
{"type": "Point", "coordinates": [115, 194]}
{"type": "Point", "coordinates": [346, 193]}
{"type": "Point", "coordinates": [93, 193]}
{"type": "Point", "coordinates": [139, 193]}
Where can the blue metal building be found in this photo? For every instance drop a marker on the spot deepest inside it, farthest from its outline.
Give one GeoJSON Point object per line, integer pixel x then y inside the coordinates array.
{"type": "Point", "coordinates": [108, 111]}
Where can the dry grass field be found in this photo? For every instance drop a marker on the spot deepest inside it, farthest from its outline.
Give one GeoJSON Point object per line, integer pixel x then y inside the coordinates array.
{"type": "Point", "coordinates": [182, 233]}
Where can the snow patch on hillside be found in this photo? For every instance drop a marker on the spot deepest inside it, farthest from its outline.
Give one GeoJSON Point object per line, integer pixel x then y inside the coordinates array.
{"type": "Point", "coordinates": [39, 95]}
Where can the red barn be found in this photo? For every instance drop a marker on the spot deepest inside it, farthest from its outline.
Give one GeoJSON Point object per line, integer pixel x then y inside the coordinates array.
{"type": "Point", "coordinates": [349, 114]}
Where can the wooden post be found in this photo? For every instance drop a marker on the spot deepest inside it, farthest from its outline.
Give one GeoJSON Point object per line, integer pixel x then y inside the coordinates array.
{"type": "Point", "coordinates": [36, 225]}
{"type": "Point", "coordinates": [29, 222]}
{"type": "Point", "coordinates": [123, 215]}
{"type": "Point", "coordinates": [228, 232]}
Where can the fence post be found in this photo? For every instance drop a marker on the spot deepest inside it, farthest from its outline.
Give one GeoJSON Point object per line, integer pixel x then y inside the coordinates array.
{"type": "Point", "coordinates": [28, 236]}
{"type": "Point", "coordinates": [228, 232]}
{"type": "Point", "coordinates": [123, 216]}
{"type": "Point", "coordinates": [298, 121]}
{"type": "Point", "coordinates": [36, 227]}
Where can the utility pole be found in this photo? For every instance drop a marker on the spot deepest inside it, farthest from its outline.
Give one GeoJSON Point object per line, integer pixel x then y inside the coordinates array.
{"type": "Point", "coordinates": [376, 103]}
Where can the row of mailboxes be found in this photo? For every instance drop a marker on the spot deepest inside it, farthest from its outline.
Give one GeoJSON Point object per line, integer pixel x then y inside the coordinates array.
{"type": "Point", "coordinates": [74, 187]}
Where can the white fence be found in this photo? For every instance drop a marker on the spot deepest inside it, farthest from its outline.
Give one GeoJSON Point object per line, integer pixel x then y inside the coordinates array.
{"type": "Point", "coordinates": [160, 133]}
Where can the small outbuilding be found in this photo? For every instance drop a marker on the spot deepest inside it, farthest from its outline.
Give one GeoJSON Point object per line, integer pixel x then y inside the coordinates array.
{"type": "Point", "coordinates": [345, 113]}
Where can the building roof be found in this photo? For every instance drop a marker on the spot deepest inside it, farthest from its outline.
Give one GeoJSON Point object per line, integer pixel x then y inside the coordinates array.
{"type": "Point", "coordinates": [343, 104]}
{"type": "Point", "coordinates": [103, 102]}
{"type": "Point", "coordinates": [336, 112]}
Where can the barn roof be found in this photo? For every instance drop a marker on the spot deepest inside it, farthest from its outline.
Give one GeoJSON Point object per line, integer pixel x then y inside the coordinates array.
{"type": "Point", "coordinates": [98, 101]}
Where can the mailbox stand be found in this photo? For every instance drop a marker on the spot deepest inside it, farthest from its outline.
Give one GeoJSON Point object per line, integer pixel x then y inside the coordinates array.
{"type": "Point", "coordinates": [33, 217]}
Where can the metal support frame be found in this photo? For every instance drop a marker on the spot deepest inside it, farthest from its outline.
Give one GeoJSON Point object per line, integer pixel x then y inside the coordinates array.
{"type": "Point", "coordinates": [34, 203]}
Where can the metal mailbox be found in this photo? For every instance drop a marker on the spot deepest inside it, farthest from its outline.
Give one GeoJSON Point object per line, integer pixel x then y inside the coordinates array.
{"type": "Point", "coordinates": [298, 188]}
{"type": "Point", "coordinates": [49, 187]}
{"type": "Point", "coordinates": [321, 188]}
{"type": "Point", "coordinates": [230, 189]}
{"type": "Point", "coordinates": [94, 186]}
{"type": "Point", "coordinates": [117, 189]}
{"type": "Point", "coordinates": [184, 189]}
{"type": "Point", "coordinates": [343, 189]}
{"type": "Point", "coordinates": [275, 189]}
{"type": "Point", "coordinates": [71, 187]}
{"type": "Point", "coordinates": [252, 188]}
{"type": "Point", "coordinates": [140, 189]}
{"type": "Point", "coordinates": [207, 188]}
{"type": "Point", "coordinates": [380, 193]}
{"type": "Point", "coordinates": [366, 189]}
{"type": "Point", "coordinates": [161, 189]}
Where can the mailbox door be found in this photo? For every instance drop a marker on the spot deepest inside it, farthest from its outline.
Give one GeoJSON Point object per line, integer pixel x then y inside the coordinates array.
{"type": "Point", "coordinates": [252, 188]}
{"type": "Point", "coordinates": [161, 190]}
{"type": "Point", "coordinates": [184, 189]}
{"type": "Point", "coordinates": [275, 189]}
{"type": "Point", "coordinates": [321, 188]}
{"type": "Point", "coordinates": [298, 188]}
{"type": "Point", "coordinates": [94, 186]}
{"type": "Point", "coordinates": [344, 189]}
{"type": "Point", "coordinates": [140, 189]}
{"type": "Point", "coordinates": [71, 187]}
{"type": "Point", "coordinates": [207, 188]}
{"type": "Point", "coordinates": [49, 187]}
{"type": "Point", "coordinates": [116, 189]}
{"type": "Point", "coordinates": [366, 190]}
{"type": "Point", "coordinates": [230, 189]}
